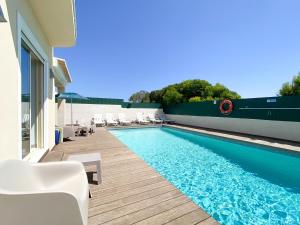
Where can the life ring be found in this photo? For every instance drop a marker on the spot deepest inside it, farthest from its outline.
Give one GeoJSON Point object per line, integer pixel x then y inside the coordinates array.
{"type": "Point", "coordinates": [229, 109]}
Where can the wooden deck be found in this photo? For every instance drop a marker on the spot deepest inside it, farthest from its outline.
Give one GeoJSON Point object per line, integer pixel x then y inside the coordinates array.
{"type": "Point", "coordinates": [131, 191]}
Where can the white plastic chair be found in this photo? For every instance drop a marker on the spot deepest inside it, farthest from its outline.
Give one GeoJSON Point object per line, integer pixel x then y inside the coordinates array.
{"type": "Point", "coordinates": [140, 119]}
{"type": "Point", "coordinates": [110, 119]}
{"type": "Point", "coordinates": [98, 120]}
{"type": "Point", "coordinates": [85, 126]}
{"type": "Point", "coordinates": [55, 193]}
{"type": "Point", "coordinates": [153, 119]}
{"type": "Point", "coordinates": [165, 120]}
{"type": "Point", "coordinates": [123, 120]}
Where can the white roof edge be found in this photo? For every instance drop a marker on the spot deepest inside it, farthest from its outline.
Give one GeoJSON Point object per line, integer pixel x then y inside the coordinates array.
{"type": "Point", "coordinates": [61, 71]}
{"type": "Point", "coordinates": [58, 20]}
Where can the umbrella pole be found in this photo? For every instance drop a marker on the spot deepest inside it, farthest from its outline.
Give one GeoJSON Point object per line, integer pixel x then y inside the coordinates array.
{"type": "Point", "coordinates": [71, 112]}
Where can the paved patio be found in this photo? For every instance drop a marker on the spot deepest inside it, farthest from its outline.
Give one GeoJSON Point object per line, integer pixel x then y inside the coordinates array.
{"type": "Point", "coordinates": [131, 191]}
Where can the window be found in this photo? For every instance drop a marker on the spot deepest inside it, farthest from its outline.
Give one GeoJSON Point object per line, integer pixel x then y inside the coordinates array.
{"type": "Point", "coordinates": [32, 76]}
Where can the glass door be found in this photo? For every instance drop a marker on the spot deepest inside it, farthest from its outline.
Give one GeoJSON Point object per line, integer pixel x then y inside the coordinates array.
{"type": "Point", "coordinates": [32, 70]}
{"type": "Point", "coordinates": [25, 100]}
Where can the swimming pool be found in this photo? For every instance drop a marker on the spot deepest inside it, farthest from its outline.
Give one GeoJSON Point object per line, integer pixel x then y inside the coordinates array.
{"type": "Point", "coordinates": [236, 183]}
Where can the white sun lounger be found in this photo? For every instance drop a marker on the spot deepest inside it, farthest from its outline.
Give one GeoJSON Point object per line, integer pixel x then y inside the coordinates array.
{"type": "Point", "coordinates": [110, 119]}
{"type": "Point", "coordinates": [140, 119]}
{"type": "Point", "coordinates": [98, 120]}
{"type": "Point", "coordinates": [85, 127]}
{"type": "Point", "coordinates": [53, 193]}
{"type": "Point", "coordinates": [165, 120]}
{"type": "Point", "coordinates": [123, 120]}
{"type": "Point", "coordinates": [153, 119]}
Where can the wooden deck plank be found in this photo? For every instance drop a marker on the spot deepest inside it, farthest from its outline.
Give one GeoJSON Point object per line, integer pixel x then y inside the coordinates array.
{"type": "Point", "coordinates": [191, 218]}
{"type": "Point", "coordinates": [208, 221]}
{"type": "Point", "coordinates": [97, 201]}
{"type": "Point", "coordinates": [127, 186]}
{"type": "Point", "coordinates": [170, 215]}
{"type": "Point", "coordinates": [112, 191]}
{"type": "Point", "coordinates": [132, 191]}
{"type": "Point", "coordinates": [148, 212]}
{"type": "Point", "coordinates": [121, 211]}
{"type": "Point", "coordinates": [129, 200]}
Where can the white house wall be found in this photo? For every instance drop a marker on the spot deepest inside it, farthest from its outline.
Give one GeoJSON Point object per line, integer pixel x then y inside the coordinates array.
{"type": "Point", "coordinates": [10, 119]}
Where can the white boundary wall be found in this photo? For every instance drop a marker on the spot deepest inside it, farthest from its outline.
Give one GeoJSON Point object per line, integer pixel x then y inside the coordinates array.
{"type": "Point", "coordinates": [86, 111]}
{"type": "Point", "coordinates": [268, 128]}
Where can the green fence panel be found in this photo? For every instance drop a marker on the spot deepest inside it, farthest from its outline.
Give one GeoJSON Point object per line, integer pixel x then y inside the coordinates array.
{"type": "Point", "coordinates": [274, 108]}
{"type": "Point", "coordinates": [114, 101]}
{"type": "Point", "coordinates": [142, 105]}
{"type": "Point", "coordinates": [92, 100]}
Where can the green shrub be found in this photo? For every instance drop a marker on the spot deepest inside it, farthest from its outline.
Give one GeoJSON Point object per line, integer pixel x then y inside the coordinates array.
{"type": "Point", "coordinates": [195, 99]}
{"type": "Point", "coordinates": [292, 88]}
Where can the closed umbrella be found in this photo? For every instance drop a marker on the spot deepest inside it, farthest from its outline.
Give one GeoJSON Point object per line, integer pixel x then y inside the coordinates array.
{"type": "Point", "coordinates": [70, 96]}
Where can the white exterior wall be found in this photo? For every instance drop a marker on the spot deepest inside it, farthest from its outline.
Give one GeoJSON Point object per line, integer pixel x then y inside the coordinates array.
{"type": "Point", "coordinates": [267, 128]}
{"type": "Point", "coordinates": [10, 73]}
{"type": "Point", "coordinates": [60, 113]}
{"type": "Point", "coordinates": [86, 111]}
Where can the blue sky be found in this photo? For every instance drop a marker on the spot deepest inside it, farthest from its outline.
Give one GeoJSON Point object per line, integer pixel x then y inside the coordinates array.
{"type": "Point", "coordinates": [251, 46]}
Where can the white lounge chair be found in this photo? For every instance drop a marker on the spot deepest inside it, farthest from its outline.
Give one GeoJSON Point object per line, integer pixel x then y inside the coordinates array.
{"type": "Point", "coordinates": [85, 126]}
{"type": "Point", "coordinates": [53, 193]}
{"type": "Point", "coordinates": [110, 119]}
{"type": "Point", "coordinates": [98, 120]}
{"type": "Point", "coordinates": [165, 120]}
{"type": "Point", "coordinates": [153, 119]}
{"type": "Point", "coordinates": [140, 119]}
{"type": "Point", "coordinates": [69, 132]}
{"type": "Point", "coordinates": [123, 120]}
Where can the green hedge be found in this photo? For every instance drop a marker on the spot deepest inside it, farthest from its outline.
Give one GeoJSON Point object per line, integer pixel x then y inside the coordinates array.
{"type": "Point", "coordinates": [275, 108]}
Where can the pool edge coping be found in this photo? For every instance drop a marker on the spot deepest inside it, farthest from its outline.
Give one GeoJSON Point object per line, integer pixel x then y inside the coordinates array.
{"type": "Point", "coordinates": [261, 141]}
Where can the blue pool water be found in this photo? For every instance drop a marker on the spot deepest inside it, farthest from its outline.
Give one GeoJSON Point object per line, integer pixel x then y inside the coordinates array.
{"type": "Point", "coordinates": [234, 182]}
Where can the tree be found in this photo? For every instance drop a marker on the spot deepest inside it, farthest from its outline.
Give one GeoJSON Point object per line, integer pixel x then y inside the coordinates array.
{"type": "Point", "coordinates": [191, 88]}
{"type": "Point", "coordinates": [140, 96]}
{"type": "Point", "coordinates": [156, 96]}
{"type": "Point", "coordinates": [219, 91]}
{"type": "Point", "coordinates": [172, 96]}
{"type": "Point", "coordinates": [146, 98]}
{"type": "Point", "coordinates": [186, 91]}
{"type": "Point", "coordinates": [292, 88]}
{"type": "Point", "coordinates": [195, 99]}
{"type": "Point", "coordinates": [296, 85]}
{"type": "Point", "coordinates": [286, 89]}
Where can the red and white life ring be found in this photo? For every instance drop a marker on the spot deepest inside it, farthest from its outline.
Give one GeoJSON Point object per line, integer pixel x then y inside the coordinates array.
{"type": "Point", "coordinates": [229, 108]}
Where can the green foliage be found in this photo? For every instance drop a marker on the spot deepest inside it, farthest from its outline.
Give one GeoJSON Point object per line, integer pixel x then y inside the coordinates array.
{"type": "Point", "coordinates": [292, 88]}
{"type": "Point", "coordinates": [195, 99]}
{"type": "Point", "coordinates": [191, 88]}
{"type": "Point", "coordinates": [172, 96]}
{"type": "Point", "coordinates": [209, 98]}
{"type": "Point", "coordinates": [286, 89]}
{"type": "Point", "coordinates": [140, 96]}
{"type": "Point", "coordinates": [296, 85]}
{"type": "Point", "coordinates": [156, 96]}
{"type": "Point", "coordinates": [219, 91]}
{"type": "Point", "coordinates": [188, 90]}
